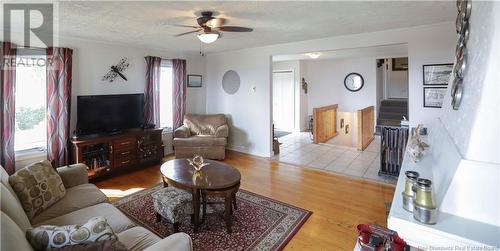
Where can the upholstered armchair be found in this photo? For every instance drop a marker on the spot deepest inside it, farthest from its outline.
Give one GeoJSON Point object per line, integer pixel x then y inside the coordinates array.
{"type": "Point", "coordinates": [204, 135]}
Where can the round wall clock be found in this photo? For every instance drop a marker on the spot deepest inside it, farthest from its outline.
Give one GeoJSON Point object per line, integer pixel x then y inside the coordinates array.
{"type": "Point", "coordinates": [354, 82]}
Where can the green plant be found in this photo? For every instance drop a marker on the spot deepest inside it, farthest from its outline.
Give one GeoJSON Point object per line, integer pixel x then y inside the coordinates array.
{"type": "Point", "coordinates": [27, 117]}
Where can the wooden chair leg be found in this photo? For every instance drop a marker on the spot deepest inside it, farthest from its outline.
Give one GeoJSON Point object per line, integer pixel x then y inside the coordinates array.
{"type": "Point", "coordinates": [176, 227]}
{"type": "Point", "coordinates": [158, 217]}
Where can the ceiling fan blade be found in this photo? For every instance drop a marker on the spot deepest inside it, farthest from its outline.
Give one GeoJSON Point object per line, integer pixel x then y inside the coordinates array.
{"type": "Point", "coordinates": [216, 22]}
{"type": "Point", "coordinates": [187, 26]}
{"type": "Point", "coordinates": [189, 32]}
{"type": "Point", "coordinates": [234, 29]}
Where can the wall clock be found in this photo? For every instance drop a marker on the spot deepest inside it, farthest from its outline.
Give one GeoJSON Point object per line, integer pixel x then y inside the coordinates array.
{"type": "Point", "coordinates": [354, 82]}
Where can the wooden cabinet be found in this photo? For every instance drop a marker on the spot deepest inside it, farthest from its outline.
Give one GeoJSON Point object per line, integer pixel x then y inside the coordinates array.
{"type": "Point", "coordinates": [109, 154]}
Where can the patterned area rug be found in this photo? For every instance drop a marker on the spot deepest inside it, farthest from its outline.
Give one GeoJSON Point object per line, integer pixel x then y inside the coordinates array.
{"type": "Point", "coordinates": [260, 223]}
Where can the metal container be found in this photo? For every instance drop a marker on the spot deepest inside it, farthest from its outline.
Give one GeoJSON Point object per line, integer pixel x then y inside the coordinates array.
{"type": "Point", "coordinates": [424, 207]}
{"type": "Point", "coordinates": [408, 202]}
{"type": "Point", "coordinates": [409, 192]}
{"type": "Point", "coordinates": [423, 193]}
{"type": "Point", "coordinates": [425, 215]}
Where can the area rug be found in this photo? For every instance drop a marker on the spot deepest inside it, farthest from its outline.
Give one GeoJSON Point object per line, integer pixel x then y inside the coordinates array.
{"type": "Point", "coordinates": [260, 223]}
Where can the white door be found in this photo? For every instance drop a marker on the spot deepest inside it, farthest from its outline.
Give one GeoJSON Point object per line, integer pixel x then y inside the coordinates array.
{"type": "Point", "coordinates": [283, 101]}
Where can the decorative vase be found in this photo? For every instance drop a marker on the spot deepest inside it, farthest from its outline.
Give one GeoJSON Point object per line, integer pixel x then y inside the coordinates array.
{"type": "Point", "coordinates": [197, 163]}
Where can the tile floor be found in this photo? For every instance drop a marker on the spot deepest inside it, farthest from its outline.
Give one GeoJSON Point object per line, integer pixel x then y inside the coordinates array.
{"type": "Point", "coordinates": [298, 149]}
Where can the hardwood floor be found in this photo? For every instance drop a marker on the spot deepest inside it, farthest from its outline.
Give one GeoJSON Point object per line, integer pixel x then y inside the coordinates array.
{"type": "Point", "coordinates": [338, 203]}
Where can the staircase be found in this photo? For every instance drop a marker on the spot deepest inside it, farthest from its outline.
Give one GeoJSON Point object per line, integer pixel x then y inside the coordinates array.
{"type": "Point", "coordinates": [391, 112]}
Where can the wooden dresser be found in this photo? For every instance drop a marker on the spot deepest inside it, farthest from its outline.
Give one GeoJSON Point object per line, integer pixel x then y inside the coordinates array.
{"type": "Point", "coordinates": [113, 153]}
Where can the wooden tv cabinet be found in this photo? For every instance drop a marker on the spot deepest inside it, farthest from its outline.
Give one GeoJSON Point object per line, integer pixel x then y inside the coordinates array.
{"type": "Point", "coordinates": [110, 154]}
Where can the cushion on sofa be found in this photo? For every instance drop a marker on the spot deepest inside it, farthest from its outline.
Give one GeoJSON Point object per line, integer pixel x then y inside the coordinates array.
{"type": "Point", "coordinates": [76, 197]}
{"type": "Point", "coordinates": [198, 141]}
{"type": "Point", "coordinates": [73, 175]}
{"type": "Point", "coordinates": [12, 207]}
{"type": "Point", "coordinates": [13, 238]}
{"type": "Point", "coordinates": [116, 219]}
{"type": "Point", "coordinates": [49, 237]}
{"type": "Point", "coordinates": [38, 186]}
{"type": "Point", "coordinates": [177, 242]}
{"type": "Point", "coordinates": [204, 124]}
{"type": "Point", "coordinates": [138, 238]}
{"type": "Point", "coordinates": [4, 178]}
{"type": "Point", "coordinates": [107, 245]}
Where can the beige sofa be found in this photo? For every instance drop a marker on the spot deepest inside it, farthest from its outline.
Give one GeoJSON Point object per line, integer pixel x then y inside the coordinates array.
{"type": "Point", "coordinates": [204, 135]}
{"type": "Point", "coordinates": [81, 202]}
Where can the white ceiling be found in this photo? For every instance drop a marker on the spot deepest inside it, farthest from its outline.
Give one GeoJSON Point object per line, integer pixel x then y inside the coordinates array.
{"type": "Point", "coordinates": [149, 24]}
{"type": "Point", "coordinates": [384, 51]}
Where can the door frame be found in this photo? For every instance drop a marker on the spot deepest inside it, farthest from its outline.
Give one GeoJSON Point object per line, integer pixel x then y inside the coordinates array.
{"type": "Point", "coordinates": [294, 89]}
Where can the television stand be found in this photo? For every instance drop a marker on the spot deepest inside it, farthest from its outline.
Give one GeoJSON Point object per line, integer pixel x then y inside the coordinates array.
{"type": "Point", "coordinates": [107, 154]}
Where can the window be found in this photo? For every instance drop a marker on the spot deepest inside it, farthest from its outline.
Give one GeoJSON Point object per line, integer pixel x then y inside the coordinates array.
{"type": "Point", "coordinates": [166, 113]}
{"type": "Point", "coordinates": [30, 104]}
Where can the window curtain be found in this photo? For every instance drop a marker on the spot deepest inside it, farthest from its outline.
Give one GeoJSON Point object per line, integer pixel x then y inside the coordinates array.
{"type": "Point", "coordinates": [59, 66]}
{"type": "Point", "coordinates": [152, 91]}
{"type": "Point", "coordinates": [7, 117]}
{"type": "Point", "coordinates": [179, 91]}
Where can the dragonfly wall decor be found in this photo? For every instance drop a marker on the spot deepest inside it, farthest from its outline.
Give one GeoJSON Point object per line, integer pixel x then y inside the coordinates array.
{"type": "Point", "coordinates": [116, 70]}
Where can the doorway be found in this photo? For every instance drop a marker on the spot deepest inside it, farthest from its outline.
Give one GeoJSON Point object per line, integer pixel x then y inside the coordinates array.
{"type": "Point", "coordinates": [283, 101]}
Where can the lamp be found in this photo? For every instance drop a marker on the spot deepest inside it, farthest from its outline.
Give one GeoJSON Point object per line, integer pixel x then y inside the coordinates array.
{"type": "Point", "coordinates": [208, 37]}
{"type": "Point", "coordinates": [313, 55]}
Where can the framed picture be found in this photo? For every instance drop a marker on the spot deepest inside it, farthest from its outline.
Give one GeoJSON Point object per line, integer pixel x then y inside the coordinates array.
{"type": "Point", "coordinates": [194, 81]}
{"type": "Point", "coordinates": [437, 74]}
{"type": "Point", "coordinates": [400, 64]}
{"type": "Point", "coordinates": [434, 96]}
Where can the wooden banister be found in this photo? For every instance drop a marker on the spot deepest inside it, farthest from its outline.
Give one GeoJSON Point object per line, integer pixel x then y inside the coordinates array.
{"type": "Point", "coordinates": [366, 125]}
{"type": "Point", "coordinates": [324, 123]}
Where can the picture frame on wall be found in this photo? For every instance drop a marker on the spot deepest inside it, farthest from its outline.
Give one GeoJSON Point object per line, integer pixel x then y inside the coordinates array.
{"type": "Point", "coordinates": [194, 81]}
{"type": "Point", "coordinates": [434, 96]}
{"type": "Point", "coordinates": [437, 74]}
{"type": "Point", "coordinates": [399, 64]}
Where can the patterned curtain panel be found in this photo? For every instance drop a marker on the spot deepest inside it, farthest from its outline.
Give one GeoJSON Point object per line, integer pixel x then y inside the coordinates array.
{"type": "Point", "coordinates": [7, 119]}
{"type": "Point", "coordinates": [179, 91]}
{"type": "Point", "coordinates": [59, 63]}
{"type": "Point", "coordinates": [152, 91]}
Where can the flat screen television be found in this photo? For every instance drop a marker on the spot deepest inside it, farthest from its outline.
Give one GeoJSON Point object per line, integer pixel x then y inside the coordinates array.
{"type": "Point", "coordinates": [109, 113]}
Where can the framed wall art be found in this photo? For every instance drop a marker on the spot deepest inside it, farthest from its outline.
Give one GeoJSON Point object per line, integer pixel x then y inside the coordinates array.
{"type": "Point", "coordinates": [400, 64]}
{"type": "Point", "coordinates": [434, 96]}
{"type": "Point", "coordinates": [437, 74]}
{"type": "Point", "coordinates": [194, 81]}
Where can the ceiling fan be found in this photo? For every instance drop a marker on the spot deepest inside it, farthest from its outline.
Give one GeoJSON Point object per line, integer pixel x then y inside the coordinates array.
{"type": "Point", "coordinates": [210, 27]}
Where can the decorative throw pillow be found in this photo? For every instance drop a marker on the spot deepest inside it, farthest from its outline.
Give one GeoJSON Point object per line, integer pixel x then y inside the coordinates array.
{"type": "Point", "coordinates": [48, 237]}
{"type": "Point", "coordinates": [38, 186]}
{"type": "Point", "coordinates": [107, 245]}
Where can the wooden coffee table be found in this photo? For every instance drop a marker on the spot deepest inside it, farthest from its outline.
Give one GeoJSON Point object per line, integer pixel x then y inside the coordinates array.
{"type": "Point", "coordinates": [217, 178]}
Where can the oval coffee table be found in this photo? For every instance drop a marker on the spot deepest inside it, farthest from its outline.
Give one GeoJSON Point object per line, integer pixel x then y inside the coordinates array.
{"type": "Point", "coordinates": [217, 178]}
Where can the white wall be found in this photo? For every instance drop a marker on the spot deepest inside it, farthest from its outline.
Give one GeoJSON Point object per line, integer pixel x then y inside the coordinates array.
{"type": "Point", "coordinates": [91, 61]}
{"type": "Point", "coordinates": [326, 83]}
{"type": "Point", "coordinates": [475, 127]}
{"type": "Point", "coordinates": [251, 110]}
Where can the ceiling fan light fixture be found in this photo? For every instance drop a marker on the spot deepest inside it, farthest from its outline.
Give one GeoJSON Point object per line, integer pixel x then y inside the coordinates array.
{"type": "Point", "coordinates": [313, 55]}
{"type": "Point", "coordinates": [208, 38]}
